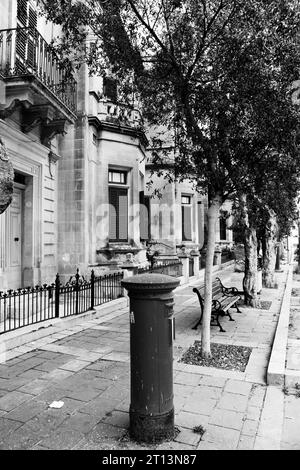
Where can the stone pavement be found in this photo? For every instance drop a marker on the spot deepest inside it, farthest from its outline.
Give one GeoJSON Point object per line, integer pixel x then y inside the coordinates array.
{"type": "Point", "coordinates": [87, 367]}
{"type": "Point", "coordinates": [291, 425]}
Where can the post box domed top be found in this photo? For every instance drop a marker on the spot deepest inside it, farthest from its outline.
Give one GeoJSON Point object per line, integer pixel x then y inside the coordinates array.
{"type": "Point", "coordinates": [150, 281]}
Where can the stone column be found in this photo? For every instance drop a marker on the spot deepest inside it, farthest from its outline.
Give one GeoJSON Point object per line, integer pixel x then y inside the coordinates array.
{"type": "Point", "coordinates": [184, 258]}
{"type": "Point", "coordinates": [196, 256]}
{"type": "Point", "coordinates": [217, 256]}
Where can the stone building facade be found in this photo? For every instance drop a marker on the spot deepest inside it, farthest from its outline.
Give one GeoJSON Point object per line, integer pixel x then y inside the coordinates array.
{"type": "Point", "coordinates": [37, 103]}
{"type": "Point", "coordinates": [79, 156]}
{"type": "Point", "coordinates": [101, 176]}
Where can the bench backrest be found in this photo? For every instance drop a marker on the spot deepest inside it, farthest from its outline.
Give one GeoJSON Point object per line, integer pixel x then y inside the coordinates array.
{"type": "Point", "coordinates": [216, 289]}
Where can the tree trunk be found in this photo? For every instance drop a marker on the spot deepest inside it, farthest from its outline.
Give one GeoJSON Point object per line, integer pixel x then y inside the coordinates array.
{"type": "Point", "coordinates": [269, 260]}
{"type": "Point", "coordinates": [6, 178]}
{"type": "Point", "coordinates": [249, 281]}
{"type": "Point", "coordinates": [213, 213]}
{"type": "Point", "coordinates": [250, 246]}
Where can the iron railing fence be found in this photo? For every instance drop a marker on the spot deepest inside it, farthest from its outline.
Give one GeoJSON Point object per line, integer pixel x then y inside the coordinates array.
{"type": "Point", "coordinates": [23, 51]}
{"type": "Point", "coordinates": [171, 268]}
{"type": "Point", "coordinates": [22, 307]}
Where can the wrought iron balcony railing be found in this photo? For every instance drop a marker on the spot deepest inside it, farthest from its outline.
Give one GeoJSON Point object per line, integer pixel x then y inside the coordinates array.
{"type": "Point", "coordinates": [23, 52]}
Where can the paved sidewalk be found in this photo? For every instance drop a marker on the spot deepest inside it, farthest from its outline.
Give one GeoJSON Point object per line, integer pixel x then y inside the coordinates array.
{"type": "Point", "coordinates": [291, 424]}
{"type": "Point", "coordinates": [87, 367]}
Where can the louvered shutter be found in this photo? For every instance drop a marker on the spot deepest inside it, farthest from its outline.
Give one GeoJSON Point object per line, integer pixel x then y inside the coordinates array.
{"type": "Point", "coordinates": [21, 46]}
{"type": "Point", "coordinates": [31, 51]}
{"type": "Point", "coordinates": [32, 18]}
{"type": "Point", "coordinates": [113, 210]}
{"type": "Point", "coordinates": [186, 223]}
{"type": "Point", "coordinates": [22, 12]}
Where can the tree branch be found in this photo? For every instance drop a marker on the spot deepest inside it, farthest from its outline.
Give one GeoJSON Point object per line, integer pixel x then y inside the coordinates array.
{"type": "Point", "coordinates": [152, 32]}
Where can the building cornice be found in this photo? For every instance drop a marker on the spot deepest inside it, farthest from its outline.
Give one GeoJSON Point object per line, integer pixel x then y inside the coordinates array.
{"type": "Point", "coordinates": [119, 129]}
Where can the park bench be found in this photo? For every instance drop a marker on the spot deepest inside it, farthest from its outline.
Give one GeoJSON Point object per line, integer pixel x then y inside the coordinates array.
{"type": "Point", "coordinates": [223, 298]}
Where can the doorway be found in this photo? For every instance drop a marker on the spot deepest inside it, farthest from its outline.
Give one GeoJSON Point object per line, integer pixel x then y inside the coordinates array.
{"type": "Point", "coordinates": [14, 239]}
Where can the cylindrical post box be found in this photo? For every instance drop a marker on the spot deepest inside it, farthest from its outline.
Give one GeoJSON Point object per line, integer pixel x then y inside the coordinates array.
{"type": "Point", "coordinates": [151, 356]}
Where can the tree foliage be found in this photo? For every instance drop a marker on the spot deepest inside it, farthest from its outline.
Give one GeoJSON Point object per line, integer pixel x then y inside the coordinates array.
{"type": "Point", "coordinates": [217, 74]}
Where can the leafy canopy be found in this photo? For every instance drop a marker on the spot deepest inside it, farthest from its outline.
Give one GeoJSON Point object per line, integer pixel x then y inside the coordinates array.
{"type": "Point", "coordinates": [217, 74]}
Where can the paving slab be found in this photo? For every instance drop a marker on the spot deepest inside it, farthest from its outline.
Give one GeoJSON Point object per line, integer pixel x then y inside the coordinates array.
{"type": "Point", "coordinates": [87, 367]}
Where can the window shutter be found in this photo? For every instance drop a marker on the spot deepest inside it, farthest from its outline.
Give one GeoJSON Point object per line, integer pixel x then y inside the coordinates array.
{"type": "Point", "coordinates": [32, 18]}
{"type": "Point", "coordinates": [22, 12]}
{"type": "Point", "coordinates": [21, 41]}
{"type": "Point", "coordinates": [123, 215]}
{"type": "Point", "coordinates": [186, 223]}
{"type": "Point", "coordinates": [110, 89]}
{"type": "Point", "coordinates": [31, 53]}
{"type": "Point", "coordinates": [113, 210]}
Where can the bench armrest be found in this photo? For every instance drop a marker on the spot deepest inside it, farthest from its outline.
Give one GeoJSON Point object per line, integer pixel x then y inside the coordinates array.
{"type": "Point", "coordinates": [230, 291]}
{"type": "Point", "coordinates": [215, 305]}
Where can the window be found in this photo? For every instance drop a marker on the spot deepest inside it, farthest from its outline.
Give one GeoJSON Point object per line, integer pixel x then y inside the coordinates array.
{"type": "Point", "coordinates": [117, 177]}
{"type": "Point", "coordinates": [186, 218]}
{"type": "Point", "coordinates": [118, 214]}
{"type": "Point", "coordinates": [145, 219]}
{"type": "Point", "coordinates": [118, 206]}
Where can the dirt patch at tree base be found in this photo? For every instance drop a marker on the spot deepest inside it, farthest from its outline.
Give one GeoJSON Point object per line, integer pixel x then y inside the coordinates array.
{"type": "Point", "coordinates": [224, 356]}
{"type": "Point", "coordinates": [264, 305]}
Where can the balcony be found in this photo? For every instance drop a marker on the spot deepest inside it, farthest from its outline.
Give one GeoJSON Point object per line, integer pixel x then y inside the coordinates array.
{"type": "Point", "coordinates": [28, 63]}
{"type": "Point", "coordinates": [120, 114]}
{"type": "Point", "coordinates": [116, 117]}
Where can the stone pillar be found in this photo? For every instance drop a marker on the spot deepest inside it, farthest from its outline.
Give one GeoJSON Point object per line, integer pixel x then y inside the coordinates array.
{"type": "Point", "coordinates": [129, 269]}
{"type": "Point", "coordinates": [184, 258]}
{"type": "Point", "coordinates": [151, 356]}
{"type": "Point", "coordinates": [259, 281]}
{"type": "Point", "coordinates": [218, 256]}
{"type": "Point", "coordinates": [195, 255]}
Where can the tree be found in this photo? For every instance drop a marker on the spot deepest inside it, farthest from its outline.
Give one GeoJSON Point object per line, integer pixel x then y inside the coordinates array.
{"type": "Point", "coordinates": [204, 70]}
{"type": "Point", "coordinates": [265, 216]}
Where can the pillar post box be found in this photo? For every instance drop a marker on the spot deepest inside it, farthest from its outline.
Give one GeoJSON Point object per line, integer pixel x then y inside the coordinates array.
{"type": "Point", "coordinates": [151, 356]}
